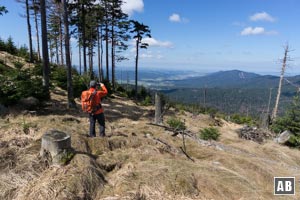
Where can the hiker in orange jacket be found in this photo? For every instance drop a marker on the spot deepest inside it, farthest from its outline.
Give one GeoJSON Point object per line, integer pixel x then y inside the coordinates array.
{"type": "Point", "coordinates": [98, 115]}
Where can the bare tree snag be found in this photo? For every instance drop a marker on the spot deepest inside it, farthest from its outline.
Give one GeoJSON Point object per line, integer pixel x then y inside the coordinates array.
{"type": "Point", "coordinates": [158, 109]}
{"type": "Point", "coordinates": [286, 50]}
{"type": "Point", "coordinates": [57, 144]}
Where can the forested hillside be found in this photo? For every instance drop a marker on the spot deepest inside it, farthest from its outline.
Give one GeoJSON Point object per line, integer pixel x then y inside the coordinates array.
{"type": "Point", "coordinates": [234, 92]}
{"type": "Point", "coordinates": [252, 102]}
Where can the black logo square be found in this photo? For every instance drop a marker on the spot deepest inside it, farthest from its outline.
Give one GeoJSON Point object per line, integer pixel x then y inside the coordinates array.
{"type": "Point", "coordinates": [284, 185]}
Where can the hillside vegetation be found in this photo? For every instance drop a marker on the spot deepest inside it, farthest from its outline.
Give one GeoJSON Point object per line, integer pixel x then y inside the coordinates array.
{"type": "Point", "coordinates": [136, 160]}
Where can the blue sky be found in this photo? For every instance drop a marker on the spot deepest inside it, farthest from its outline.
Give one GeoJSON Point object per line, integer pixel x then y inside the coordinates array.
{"type": "Point", "coordinates": [202, 35]}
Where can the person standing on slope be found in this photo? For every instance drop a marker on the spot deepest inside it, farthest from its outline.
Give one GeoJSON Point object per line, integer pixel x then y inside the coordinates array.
{"type": "Point", "coordinates": [96, 92]}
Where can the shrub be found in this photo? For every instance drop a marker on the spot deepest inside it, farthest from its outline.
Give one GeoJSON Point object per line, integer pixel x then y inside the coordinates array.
{"type": "Point", "coordinates": [210, 133]}
{"type": "Point", "coordinates": [147, 101]}
{"type": "Point", "coordinates": [294, 141]}
{"type": "Point", "coordinates": [79, 85]}
{"type": "Point", "coordinates": [18, 84]}
{"type": "Point", "coordinates": [108, 87]}
{"type": "Point", "coordinates": [177, 124]}
{"type": "Point", "coordinates": [239, 119]}
{"type": "Point", "coordinates": [143, 93]}
{"type": "Point", "coordinates": [18, 65]}
{"type": "Point", "coordinates": [59, 76]}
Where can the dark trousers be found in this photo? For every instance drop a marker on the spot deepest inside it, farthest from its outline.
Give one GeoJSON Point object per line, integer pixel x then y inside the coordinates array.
{"type": "Point", "coordinates": [101, 121]}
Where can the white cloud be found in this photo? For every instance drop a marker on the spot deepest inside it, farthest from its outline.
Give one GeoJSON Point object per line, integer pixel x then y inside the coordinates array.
{"type": "Point", "coordinates": [131, 6]}
{"type": "Point", "coordinates": [253, 31]}
{"type": "Point", "coordinates": [257, 31]}
{"type": "Point", "coordinates": [150, 55]}
{"type": "Point", "coordinates": [156, 43]}
{"type": "Point", "coordinates": [262, 16]}
{"type": "Point", "coordinates": [177, 18]}
{"type": "Point", "coordinates": [144, 55]}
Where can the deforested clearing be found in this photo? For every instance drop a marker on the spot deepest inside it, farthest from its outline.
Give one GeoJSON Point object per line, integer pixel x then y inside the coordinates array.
{"type": "Point", "coordinates": [137, 160]}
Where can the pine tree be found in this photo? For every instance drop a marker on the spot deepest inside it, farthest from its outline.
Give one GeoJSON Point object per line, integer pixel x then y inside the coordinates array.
{"type": "Point", "coordinates": [3, 10]}
{"type": "Point", "coordinates": [140, 31]}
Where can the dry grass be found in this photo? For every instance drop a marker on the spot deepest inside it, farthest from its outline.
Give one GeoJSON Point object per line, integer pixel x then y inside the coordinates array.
{"type": "Point", "coordinates": [9, 60]}
{"type": "Point", "coordinates": [136, 160]}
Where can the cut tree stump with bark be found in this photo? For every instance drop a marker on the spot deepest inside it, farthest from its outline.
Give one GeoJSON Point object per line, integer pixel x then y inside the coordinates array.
{"type": "Point", "coordinates": [58, 145]}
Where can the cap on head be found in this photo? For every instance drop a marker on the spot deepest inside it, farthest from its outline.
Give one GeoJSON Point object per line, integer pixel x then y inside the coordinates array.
{"type": "Point", "coordinates": [93, 84]}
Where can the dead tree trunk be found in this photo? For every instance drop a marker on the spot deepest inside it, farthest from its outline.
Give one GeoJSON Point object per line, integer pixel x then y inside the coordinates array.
{"type": "Point", "coordinates": [158, 116]}
{"type": "Point", "coordinates": [286, 50]}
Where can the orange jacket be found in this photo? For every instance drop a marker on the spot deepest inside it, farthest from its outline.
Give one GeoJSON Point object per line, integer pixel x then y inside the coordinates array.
{"type": "Point", "coordinates": [100, 93]}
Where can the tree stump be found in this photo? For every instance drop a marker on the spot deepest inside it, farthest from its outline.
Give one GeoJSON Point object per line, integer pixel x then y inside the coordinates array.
{"type": "Point", "coordinates": [57, 144]}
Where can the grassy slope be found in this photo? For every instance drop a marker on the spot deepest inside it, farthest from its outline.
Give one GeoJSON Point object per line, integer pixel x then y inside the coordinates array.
{"type": "Point", "coordinates": [132, 162]}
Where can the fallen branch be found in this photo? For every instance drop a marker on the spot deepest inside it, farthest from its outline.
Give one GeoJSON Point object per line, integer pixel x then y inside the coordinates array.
{"type": "Point", "coordinates": [175, 132]}
{"type": "Point", "coordinates": [189, 157]}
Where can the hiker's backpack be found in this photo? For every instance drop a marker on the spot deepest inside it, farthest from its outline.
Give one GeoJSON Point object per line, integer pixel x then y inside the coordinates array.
{"type": "Point", "coordinates": [88, 103]}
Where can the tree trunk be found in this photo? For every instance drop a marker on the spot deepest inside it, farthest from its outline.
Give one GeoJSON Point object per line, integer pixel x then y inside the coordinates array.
{"type": "Point", "coordinates": [37, 32]}
{"type": "Point", "coordinates": [83, 39]}
{"type": "Point", "coordinates": [61, 44]}
{"type": "Point", "coordinates": [91, 67]}
{"type": "Point", "coordinates": [112, 57]}
{"type": "Point", "coordinates": [136, 68]}
{"type": "Point", "coordinates": [106, 51]}
{"type": "Point", "coordinates": [99, 38]}
{"type": "Point", "coordinates": [101, 57]}
{"type": "Point", "coordinates": [71, 102]}
{"type": "Point", "coordinates": [158, 109]}
{"type": "Point", "coordinates": [29, 32]}
{"type": "Point", "coordinates": [79, 53]}
{"type": "Point", "coordinates": [46, 68]}
{"type": "Point", "coordinates": [50, 51]}
{"type": "Point", "coordinates": [56, 51]}
{"type": "Point", "coordinates": [274, 115]}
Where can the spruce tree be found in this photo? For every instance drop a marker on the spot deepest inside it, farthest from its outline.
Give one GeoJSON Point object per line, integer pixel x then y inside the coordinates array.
{"type": "Point", "coordinates": [291, 122]}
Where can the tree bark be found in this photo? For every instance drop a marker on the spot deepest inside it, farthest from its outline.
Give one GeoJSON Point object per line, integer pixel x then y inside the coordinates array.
{"type": "Point", "coordinates": [29, 32]}
{"type": "Point", "coordinates": [62, 62]}
{"type": "Point", "coordinates": [106, 7]}
{"type": "Point", "coordinates": [79, 53]}
{"type": "Point", "coordinates": [99, 44]}
{"type": "Point", "coordinates": [106, 51]}
{"type": "Point", "coordinates": [37, 31]}
{"type": "Point", "coordinates": [83, 39]}
{"type": "Point", "coordinates": [46, 68]}
{"type": "Point", "coordinates": [136, 68]}
{"type": "Point", "coordinates": [158, 109]}
{"type": "Point", "coordinates": [55, 142]}
{"type": "Point", "coordinates": [112, 56]}
{"type": "Point", "coordinates": [71, 102]}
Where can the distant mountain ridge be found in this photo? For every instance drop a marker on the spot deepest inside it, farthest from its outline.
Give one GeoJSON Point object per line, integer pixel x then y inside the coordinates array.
{"type": "Point", "coordinates": [173, 79]}
{"type": "Point", "coordinates": [233, 79]}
